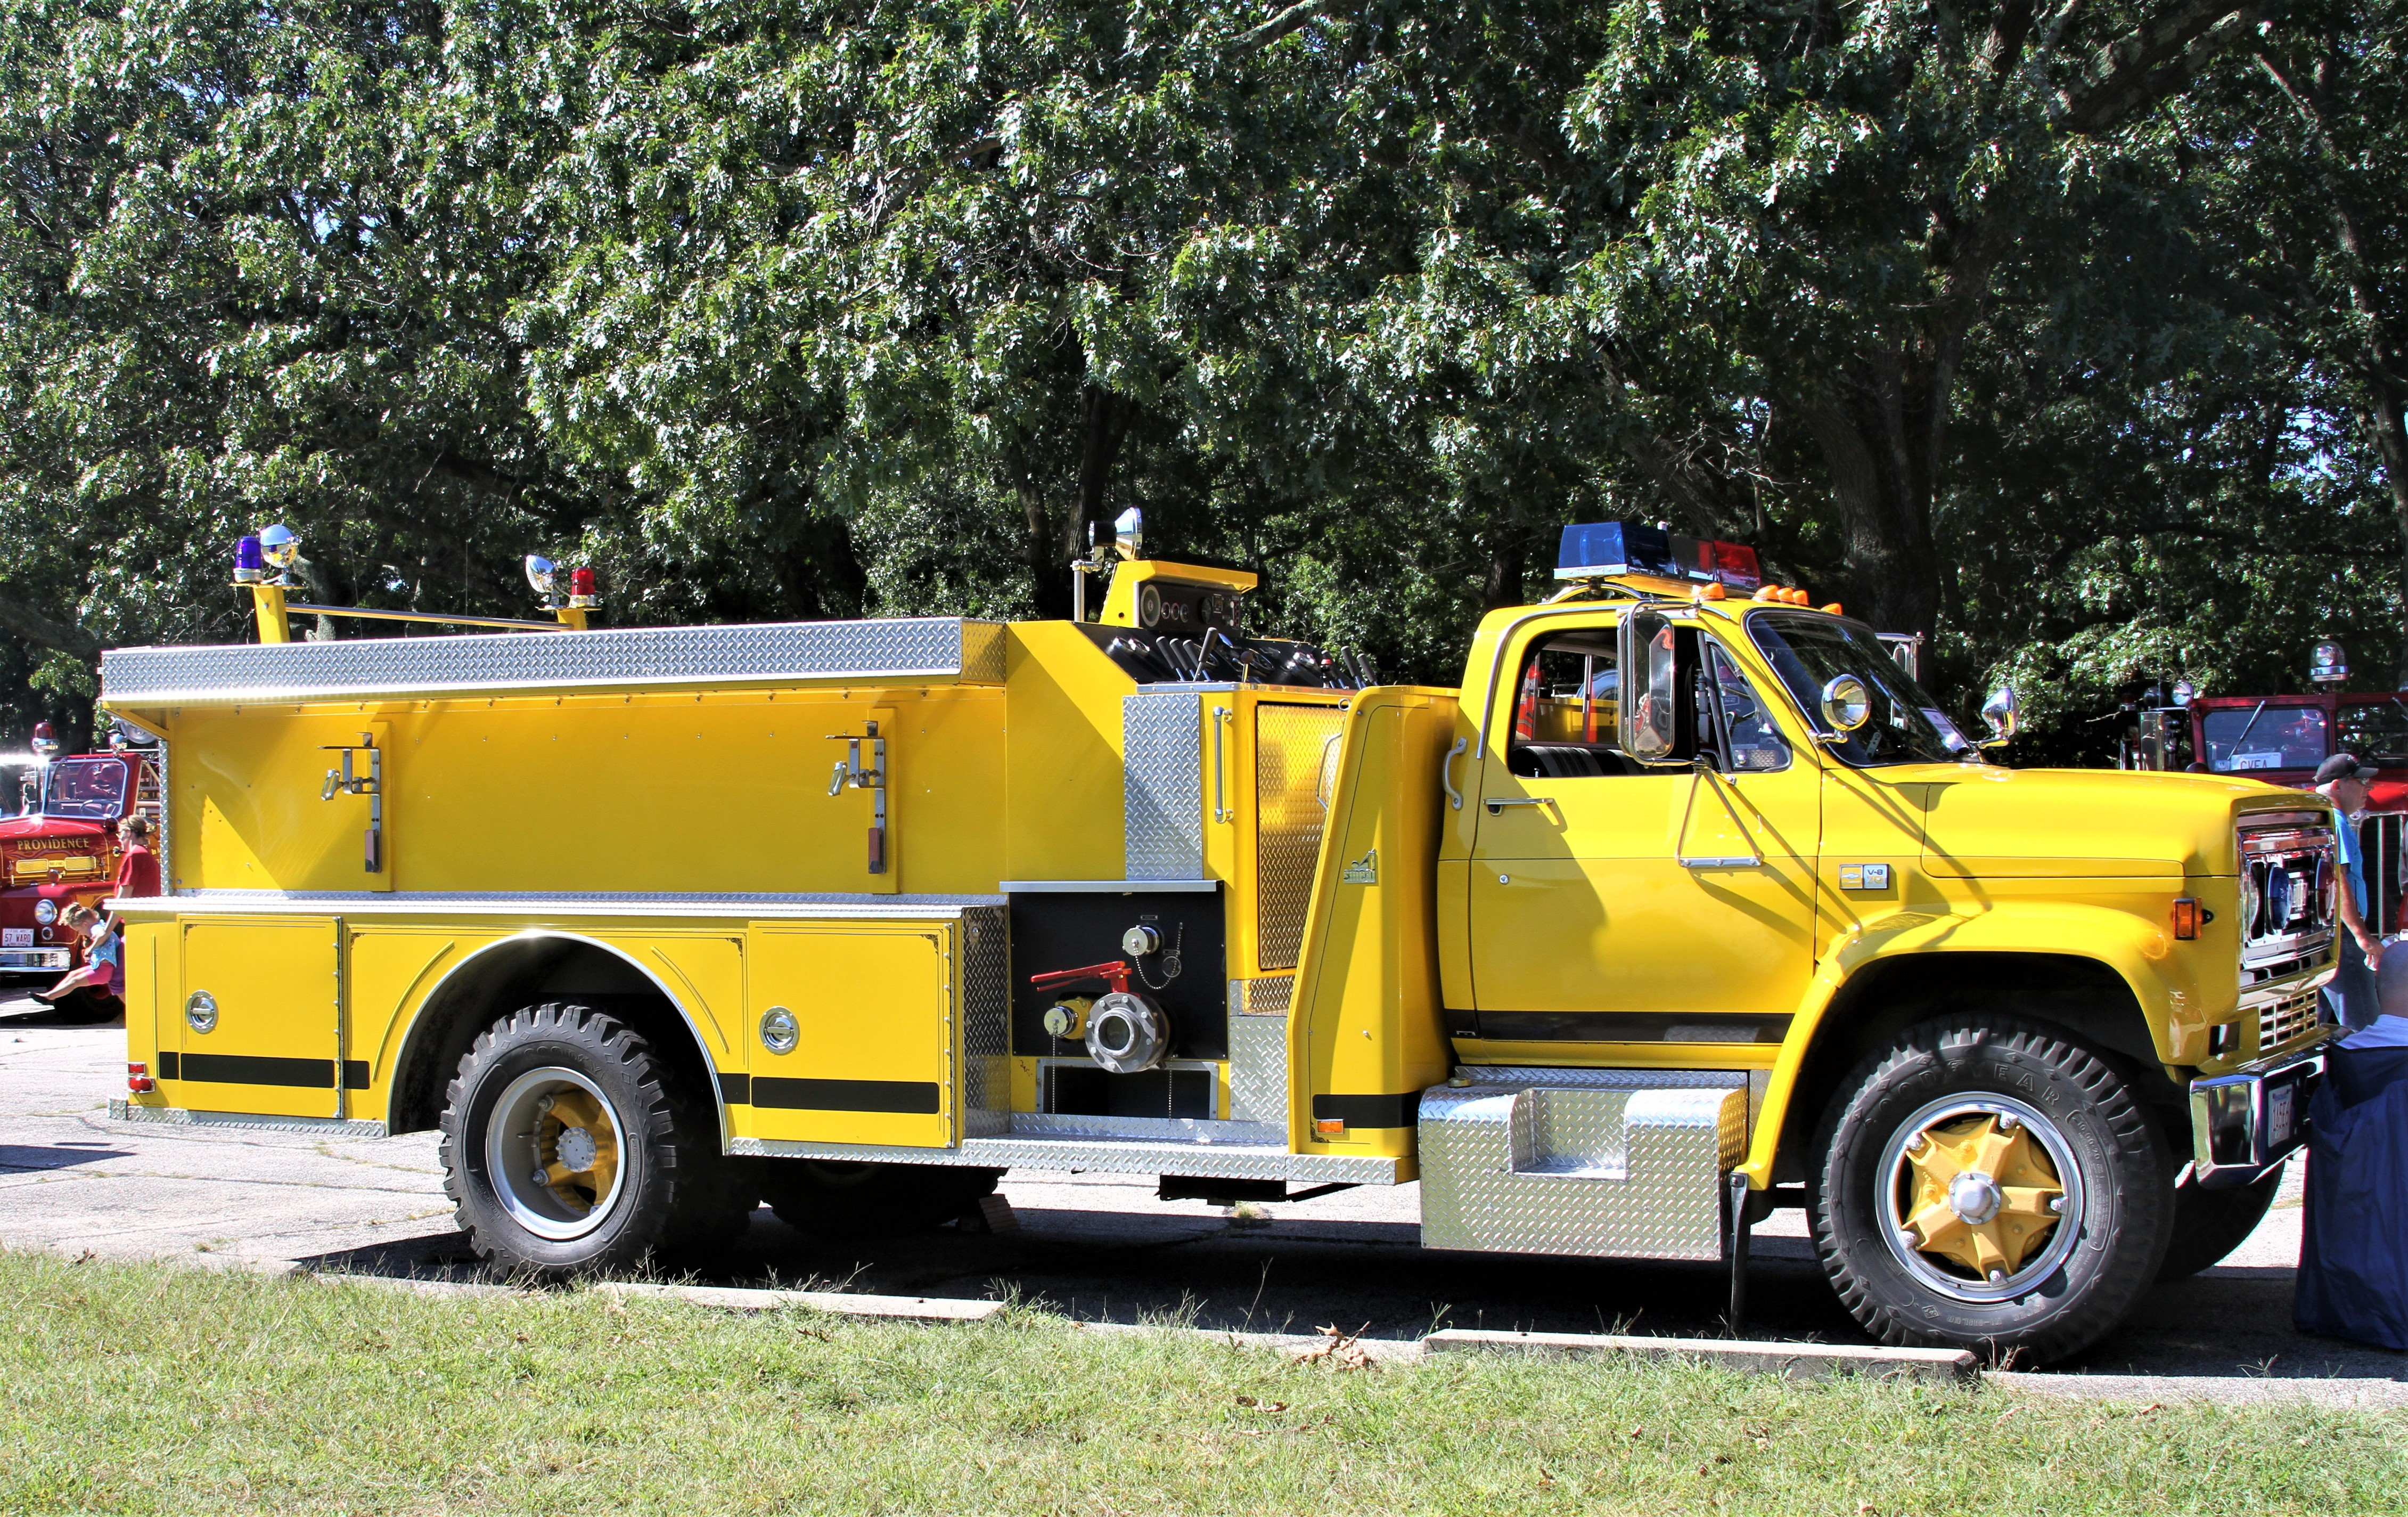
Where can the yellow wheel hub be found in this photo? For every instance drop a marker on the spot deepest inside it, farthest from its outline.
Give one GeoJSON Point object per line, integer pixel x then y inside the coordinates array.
{"type": "Point", "coordinates": [579, 1149]}
{"type": "Point", "coordinates": [1985, 1197]}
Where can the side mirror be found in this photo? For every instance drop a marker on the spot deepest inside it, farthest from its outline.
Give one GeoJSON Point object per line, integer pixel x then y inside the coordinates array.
{"type": "Point", "coordinates": [2004, 713]}
{"type": "Point", "coordinates": [1848, 705]}
{"type": "Point", "coordinates": [1647, 708]}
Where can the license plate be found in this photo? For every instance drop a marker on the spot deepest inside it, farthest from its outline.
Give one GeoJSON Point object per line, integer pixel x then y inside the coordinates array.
{"type": "Point", "coordinates": [16, 938]}
{"type": "Point", "coordinates": [2281, 1104]}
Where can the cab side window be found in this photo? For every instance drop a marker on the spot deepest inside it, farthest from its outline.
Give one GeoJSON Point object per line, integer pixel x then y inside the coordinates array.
{"type": "Point", "coordinates": [1734, 728]}
{"type": "Point", "coordinates": [1565, 704]}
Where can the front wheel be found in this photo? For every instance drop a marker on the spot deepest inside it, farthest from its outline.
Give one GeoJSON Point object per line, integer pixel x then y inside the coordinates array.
{"type": "Point", "coordinates": [1990, 1184]}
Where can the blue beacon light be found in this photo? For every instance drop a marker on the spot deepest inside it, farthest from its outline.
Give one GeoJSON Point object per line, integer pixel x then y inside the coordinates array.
{"type": "Point", "coordinates": [249, 565]}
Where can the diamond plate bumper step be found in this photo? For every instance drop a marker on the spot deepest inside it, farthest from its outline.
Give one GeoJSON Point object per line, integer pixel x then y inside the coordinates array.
{"type": "Point", "coordinates": [1609, 1164]}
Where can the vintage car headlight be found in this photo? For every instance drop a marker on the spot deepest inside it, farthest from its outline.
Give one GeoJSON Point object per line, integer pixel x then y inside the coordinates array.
{"type": "Point", "coordinates": [46, 911]}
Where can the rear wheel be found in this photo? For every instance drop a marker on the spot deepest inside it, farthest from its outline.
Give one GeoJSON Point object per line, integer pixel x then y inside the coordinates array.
{"type": "Point", "coordinates": [828, 1198]}
{"type": "Point", "coordinates": [1992, 1185]}
{"type": "Point", "coordinates": [2210, 1224]}
{"type": "Point", "coordinates": [566, 1143]}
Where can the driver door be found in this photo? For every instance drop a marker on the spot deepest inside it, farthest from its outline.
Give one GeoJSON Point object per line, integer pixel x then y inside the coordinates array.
{"type": "Point", "coordinates": [1616, 901]}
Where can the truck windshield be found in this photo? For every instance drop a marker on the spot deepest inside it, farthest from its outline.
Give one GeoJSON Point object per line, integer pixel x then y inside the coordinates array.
{"type": "Point", "coordinates": [1906, 726]}
{"type": "Point", "coordinates": [85, 790]}
{"type": "Point", "coordinates": [2263, 736]}
{"type": "Point", "coordinates": [2377, 733]}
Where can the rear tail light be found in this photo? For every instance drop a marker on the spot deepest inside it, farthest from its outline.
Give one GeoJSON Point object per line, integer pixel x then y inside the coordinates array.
{"type": "Point", "coordinates": [137, 1077]}
{"type": "Point", "coordinates": [2189, 915]}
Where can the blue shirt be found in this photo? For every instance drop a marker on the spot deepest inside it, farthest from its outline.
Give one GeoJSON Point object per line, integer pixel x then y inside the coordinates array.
{"type": "Point", "coordinates": [2352, 859]}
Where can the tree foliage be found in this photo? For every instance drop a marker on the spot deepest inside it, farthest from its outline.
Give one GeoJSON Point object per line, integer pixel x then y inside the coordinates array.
{"type": "Point", "coordinates": [2067, 335]}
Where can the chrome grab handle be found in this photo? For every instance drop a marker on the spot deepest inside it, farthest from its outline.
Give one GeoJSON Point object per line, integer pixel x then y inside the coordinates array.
{"type": "Point", "coordinates": [1447, 772]}
{"type": "Point", "coordinates": [1328, 769]}
{"type": "Point", "coordinates": [1221, 813]}
{"type": "Point", "coordinates": [1496, 803]}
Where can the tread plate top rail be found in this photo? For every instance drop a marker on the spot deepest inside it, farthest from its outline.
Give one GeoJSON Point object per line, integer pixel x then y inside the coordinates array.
{"type": "Point", "coordinates": [947, 648]}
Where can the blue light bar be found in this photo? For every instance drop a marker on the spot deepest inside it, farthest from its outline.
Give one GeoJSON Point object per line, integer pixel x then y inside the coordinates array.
{"type": "Point", "coordinates": [1591, 550]}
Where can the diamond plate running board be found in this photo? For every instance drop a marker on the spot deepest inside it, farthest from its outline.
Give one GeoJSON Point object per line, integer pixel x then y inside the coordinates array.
{"type": "Point", "coordinates": [1614, 1164]}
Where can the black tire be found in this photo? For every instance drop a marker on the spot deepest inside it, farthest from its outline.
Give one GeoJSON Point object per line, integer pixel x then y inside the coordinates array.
{"type": "Point", "coordinates": [2210, 1224]}
{"type": "Point", "coordinates": [664, 1148]}
{"type": "Point", "coordinates": [2070, 1280]}
{"type": "Point", "coordinates": [833, 1199]}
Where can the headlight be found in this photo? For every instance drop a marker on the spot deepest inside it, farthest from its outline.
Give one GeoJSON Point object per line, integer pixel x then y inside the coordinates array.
{"type": "Point", "coordinates": [46, 911]}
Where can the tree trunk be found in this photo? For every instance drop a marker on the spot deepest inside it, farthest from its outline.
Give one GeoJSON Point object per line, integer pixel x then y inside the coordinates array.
{"type": "Point", "coordinates": [1866, 425]}
{"type": "Point", "coordinates": [2385, 423]}
{"type": "Point", "coordinates": [1509, 557]}
{"type": "Point", "coordinates": [1103, 422]}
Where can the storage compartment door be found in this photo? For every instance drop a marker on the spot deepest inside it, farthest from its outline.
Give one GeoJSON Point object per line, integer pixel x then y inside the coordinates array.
{"type": "Point", "coordinates": [267, 1038]}
{"type": "Point", "coordinates": [876, 1034]}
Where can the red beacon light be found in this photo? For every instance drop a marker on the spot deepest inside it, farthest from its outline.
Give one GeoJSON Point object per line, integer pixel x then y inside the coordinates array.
{"type": "Point", "coordinates": [46, 741]}
{"type": "Point", "coordinates": [580, 588]}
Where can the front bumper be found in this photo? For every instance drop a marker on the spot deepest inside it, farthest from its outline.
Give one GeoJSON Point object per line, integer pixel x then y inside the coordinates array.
{"type": "Point", "coordinates": [2244, 1124]}
{"type": "Point", "coordinates": [36, 961]}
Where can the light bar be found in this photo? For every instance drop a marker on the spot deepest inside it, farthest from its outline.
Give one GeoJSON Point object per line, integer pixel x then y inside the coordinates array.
{"type": "Point", "coordinates": [1593, 549]}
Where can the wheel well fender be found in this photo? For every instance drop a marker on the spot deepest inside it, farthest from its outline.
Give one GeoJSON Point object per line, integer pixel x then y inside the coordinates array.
{"type": "Point", "coordinates": [525, 970]}
{"type": "Point", "coordinates": [1858, 1006]}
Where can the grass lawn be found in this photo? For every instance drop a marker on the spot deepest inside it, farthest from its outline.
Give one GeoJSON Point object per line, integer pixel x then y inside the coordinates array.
{"type": "Point", "coordinates": [153, 1388]}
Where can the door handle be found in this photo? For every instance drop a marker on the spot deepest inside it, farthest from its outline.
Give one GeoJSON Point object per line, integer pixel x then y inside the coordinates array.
{"type": "Point", "coordinates": [1496, 803]}
{"type": "Point", "coordinates": [1447, 772]}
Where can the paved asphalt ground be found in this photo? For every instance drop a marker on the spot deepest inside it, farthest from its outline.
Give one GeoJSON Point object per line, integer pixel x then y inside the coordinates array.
{"type": "Point", "coordinates": [1097, 1247]}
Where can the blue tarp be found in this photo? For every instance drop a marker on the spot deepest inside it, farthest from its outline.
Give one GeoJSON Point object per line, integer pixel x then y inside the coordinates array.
{"type": "Point", "coordinates": [2354, 1243]}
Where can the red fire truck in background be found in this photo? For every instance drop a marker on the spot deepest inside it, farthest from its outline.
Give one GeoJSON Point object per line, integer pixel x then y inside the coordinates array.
{"type": "Point", "coordinates": [61, 849]}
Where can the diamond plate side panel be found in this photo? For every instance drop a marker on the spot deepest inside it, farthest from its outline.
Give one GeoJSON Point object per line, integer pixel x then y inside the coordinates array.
{"type": "Point", "coordinates": [352, 1127]}
{"type": "Point", "coordinates": [1292, 745]}
{"type": "Point", "coordinates": [1259, 1086]}
{"type": "Point", "coordinates": [986, 1022]}
{"type": "Point", "coordinates": [1529, 1171]}
{"type": "Point", "coordinates": [1163, 787]}
{"type": "Point", "coordinates": [1262, 998]}
{"type": "Point", "coordinates": [1204, 1160]}
{"type": "Point", "coordinates": [900, 648]}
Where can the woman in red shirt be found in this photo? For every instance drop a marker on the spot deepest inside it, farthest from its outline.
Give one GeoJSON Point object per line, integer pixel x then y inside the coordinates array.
{"type": "Point", "coordinates": [138, 869]}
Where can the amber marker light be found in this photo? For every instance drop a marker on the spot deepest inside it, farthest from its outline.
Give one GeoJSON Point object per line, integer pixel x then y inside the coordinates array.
{"type": "Point", "coordinates": [1769, 592]}
{"type": "Point", "coordinates": [2188, 916]}
{"type": "Point", "coordinates": [1833, 608]}
{"type": "Point", "coordinates": [1329, 1127]}
{"type": "Point", "coordinates": [1708, 592]}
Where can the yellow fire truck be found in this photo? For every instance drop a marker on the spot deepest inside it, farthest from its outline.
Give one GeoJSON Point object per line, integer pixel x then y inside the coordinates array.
{"type": "Point", "coordinates": [1688, 905]}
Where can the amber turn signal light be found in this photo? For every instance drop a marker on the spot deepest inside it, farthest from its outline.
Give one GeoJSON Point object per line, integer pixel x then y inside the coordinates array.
{"type": "Point", "coordinates": [2189, 915]}
{"type": "Point", "coordinates": [1329, 1127]}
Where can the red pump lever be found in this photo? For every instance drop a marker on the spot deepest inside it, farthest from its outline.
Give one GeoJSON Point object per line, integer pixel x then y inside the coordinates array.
{"type": "Point", "coordinates": [1116, 973]}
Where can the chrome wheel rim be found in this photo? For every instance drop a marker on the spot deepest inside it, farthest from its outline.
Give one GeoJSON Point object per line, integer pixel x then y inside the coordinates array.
{"type": "Point", "coordinates": [1981, 1199]}
{"type": "Point", "coordinates": [555, 1152]}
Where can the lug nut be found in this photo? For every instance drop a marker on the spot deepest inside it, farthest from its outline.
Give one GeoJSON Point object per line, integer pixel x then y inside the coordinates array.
{"type": "Point", "coordinates": [1907, 1235]}
{"type": "Point", "coordinates": [543, 1104]}
{"type": "Point", "coordinates": [1998, 1276]}
{"type": "Point", "coordinates": [542, 1181]}
{"type": "Point", "coordinates": [2057, 1204]}
{"type": "Point", "coordinates": [2008, 1121]}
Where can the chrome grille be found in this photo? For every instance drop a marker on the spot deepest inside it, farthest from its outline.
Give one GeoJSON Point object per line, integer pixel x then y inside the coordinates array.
{"type": "Point", "coordinates": [2289, 880]}
{"type": "Point", "coordinates": [2280, 1021]}
{"type": "Point", "coordinates": [1293, 746]}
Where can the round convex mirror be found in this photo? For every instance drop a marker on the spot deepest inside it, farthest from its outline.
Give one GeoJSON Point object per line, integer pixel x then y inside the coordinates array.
{"type": "Point", "coordinates": [1846, 703]}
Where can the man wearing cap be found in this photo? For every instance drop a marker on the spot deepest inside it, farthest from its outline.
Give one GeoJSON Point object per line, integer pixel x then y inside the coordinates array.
{"type": "Point", "coordinates": [2350, 999]}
